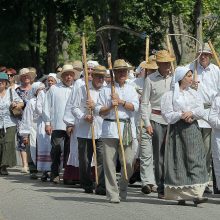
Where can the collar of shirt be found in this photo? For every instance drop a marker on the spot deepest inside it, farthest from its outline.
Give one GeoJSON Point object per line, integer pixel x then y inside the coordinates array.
{"type": "Point", "coordinates": [205, 69]}
{"type": "Point", "coordinates": [61, 84]}
{"type": "Point", "coordinates": [161, 76]}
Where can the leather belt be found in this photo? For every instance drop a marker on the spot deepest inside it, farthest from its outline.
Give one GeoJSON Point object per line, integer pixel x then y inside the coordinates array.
{"type": "Point", "coordinates": [156, 112]}
{"type": "Point", "coordinates": [120, 119]}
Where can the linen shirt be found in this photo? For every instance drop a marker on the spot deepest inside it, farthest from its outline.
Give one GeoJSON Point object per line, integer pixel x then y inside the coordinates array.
{"type": "Point", "coordinates": [6, 120]}
{"type": "Point", "coordinates": [155, 86]}
{"type": "Point", "coordinates": [188, 100]}
{"type": "Point", "coordinates": [54, 105]}
{"type": "Point", "coordinates": [126, 93]}
{"type": "Point", "coordinates": [214, 114]}
{"type": "Point", "coordinates": [79, 110]}
{"type": "Point", "coordinates": [208, 87]}
{"type": "Point", "coordinates": [29, 118]}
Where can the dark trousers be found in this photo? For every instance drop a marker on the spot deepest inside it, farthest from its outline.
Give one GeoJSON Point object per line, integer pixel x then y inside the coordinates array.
{"type": "Point", "coordinates": [158, 142]}
{"type": "Point", "coordinates": [85, 147]}
{"type": "Point", "coordinates": [59, 143]}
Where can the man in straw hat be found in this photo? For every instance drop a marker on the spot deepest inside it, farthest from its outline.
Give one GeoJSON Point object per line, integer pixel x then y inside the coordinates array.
{"type": "Point", "coordinates": [126, 99]}
{"type": "Point", "coordinates": [53, 111]}
{"type": "Point", "coordinates": [80, 107]}
{"type": "Point", "coordinates": [154, 125]}
{"type": "Point", "coordinates": [145, 142]}
{"type": "Point", "coordinates": [207, 85]}
{"type": "Point", "coordinates": [71, 173]}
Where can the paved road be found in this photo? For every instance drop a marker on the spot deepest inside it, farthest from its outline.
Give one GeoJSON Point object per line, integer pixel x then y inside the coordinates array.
{"type": "Point", "coordinates": [22, 198]}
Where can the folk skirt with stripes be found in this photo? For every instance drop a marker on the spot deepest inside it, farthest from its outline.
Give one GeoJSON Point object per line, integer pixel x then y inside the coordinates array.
{"type": "Point", "coordinates": [185, 162]}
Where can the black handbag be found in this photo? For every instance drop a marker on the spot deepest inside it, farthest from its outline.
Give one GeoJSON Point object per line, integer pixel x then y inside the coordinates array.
{"type": "Point", "coordinates": [15, 112]}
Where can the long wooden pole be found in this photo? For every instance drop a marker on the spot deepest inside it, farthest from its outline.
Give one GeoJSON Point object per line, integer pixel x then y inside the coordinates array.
{"type": "Point", "coordinates": [147, 49]}
{"type": "Point", "coordinates": [90, 110]}
{"type": "Point", "coordinates": [214, 53]}
{"type": "Point", "coordinates": [170, 51]}
{"type": "Point", "coordinates": [117, 118]}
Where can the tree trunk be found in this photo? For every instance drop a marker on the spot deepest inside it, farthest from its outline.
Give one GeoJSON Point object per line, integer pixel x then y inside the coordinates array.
{"type": "Point", "coordinates": [52, 44]}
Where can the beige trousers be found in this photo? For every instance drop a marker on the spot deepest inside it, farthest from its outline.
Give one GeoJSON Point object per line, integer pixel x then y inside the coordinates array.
{"type": "Point", "coordinates": [110, 152]}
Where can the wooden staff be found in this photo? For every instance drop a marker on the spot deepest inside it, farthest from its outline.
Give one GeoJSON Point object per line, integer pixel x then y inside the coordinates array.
{"type": "Point", "coordinates": [214, 53]}
{"type": "Point", "coordinates": [170, 51]}
{"type": "Point", "coordinates": [117, 118]}
{"type": "Point", "coordinates": [147, 49]}
{"type": "Point", "coordinates": [90, 110]}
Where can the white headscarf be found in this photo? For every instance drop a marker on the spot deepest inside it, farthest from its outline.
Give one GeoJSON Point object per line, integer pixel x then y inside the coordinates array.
{"type": "Point", "coordinates": [54, 75]}
{"type": "Point", "coordinates": [35, 86]}
{"type": "Point", "coordinates": [178, 75]}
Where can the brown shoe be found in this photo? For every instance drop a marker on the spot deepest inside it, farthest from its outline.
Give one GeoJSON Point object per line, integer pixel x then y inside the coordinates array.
{"type": "Point", "coordinates": [146, 189]}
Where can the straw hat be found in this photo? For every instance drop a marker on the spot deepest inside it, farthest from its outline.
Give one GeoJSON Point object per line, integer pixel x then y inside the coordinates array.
{"type": "Point", "coordinates": [121, 64]}
{"type": "Point", "coordinates": [205, 49]}
{"type": "Point", "coordinates": [65, 68]}
{"type": "Point", "coordinates": [26, 71]}
{"type": "Point", "coordinates": [78, 67]}
{"type": "Point", "coordinates": [151, 64]}
{"type": "Point", "coordinates": [99, 70]}
{"type": "Point", "coordinates": [163, 56]}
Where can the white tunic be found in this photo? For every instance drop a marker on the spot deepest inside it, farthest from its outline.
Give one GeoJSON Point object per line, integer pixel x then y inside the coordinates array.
{"type": "Point", "coordinates": [43, 140]}
{"type": "Point", "coordinates": [126, 93]}
{"type": "Point", "coordinates": [79, 110]}
{"type": "Point", "coordinates": [209, 86]}
{"type": "Point", "coordinates": [28, 126]}
{"type": "Point", "coordinates": [189, 100]}
{"type": "Point", "coordinates": [214, 120]}
{"type": "Point", "coordinates": [54, 106]}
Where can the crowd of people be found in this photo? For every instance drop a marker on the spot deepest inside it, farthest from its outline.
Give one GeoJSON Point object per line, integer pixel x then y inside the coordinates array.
{"type": "Point", "coordinates": [88, 122]}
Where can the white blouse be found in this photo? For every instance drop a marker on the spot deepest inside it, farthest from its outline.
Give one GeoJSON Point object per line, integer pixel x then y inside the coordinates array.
{"type": "Point", "coordinates": [6, 120]}
{"type": "Point", "coordinates": [189, 100]}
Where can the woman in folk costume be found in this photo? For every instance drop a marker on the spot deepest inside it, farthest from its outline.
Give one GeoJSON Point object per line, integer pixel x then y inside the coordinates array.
{"type": "Point", "coordinates": [185, 165]}
{"type": "Point", "coordinates": [43, 140]}
{"type": "Point", "coordinates": [214, 121]}
{"type": "Point", "coordinates": [28, 126]}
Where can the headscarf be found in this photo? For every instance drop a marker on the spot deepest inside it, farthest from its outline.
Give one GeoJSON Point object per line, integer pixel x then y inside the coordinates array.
{"type": "Point", "coordinates": [178, 75]}
{"type": "Point", "coordinates": [54, 75]}
{"type": "Point", "coordinates": [35, 86]}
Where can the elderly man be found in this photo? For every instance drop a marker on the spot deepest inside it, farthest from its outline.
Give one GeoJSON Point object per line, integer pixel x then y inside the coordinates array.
{"type": "Point", "coordinates": [154, 125]}
{"type": "Point", "coordinates": [126, 99]}
{"type": "Point", "coordinates": [53, 111]}
{"type": "Point", "coordinates": [80, 110]}
{"type": "Point", "coordinates": [207, 85]}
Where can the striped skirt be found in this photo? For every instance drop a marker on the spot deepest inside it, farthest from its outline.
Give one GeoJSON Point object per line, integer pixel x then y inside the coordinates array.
{"type": "Point", "coordinates": [185, 162]}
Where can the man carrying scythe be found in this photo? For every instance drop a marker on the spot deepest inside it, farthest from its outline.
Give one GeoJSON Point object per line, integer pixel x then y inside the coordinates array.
{"type": "Point", "coordinates": [125, 98]}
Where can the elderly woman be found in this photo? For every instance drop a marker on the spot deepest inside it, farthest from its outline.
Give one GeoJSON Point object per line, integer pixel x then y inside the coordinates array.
{"type": "Point", "coordinates": [8, 98]}
{"type": "Point", "coordinates": [25, 78]}
{"type": "Point", "coordinates": [28, 127]}
{"type": "Point", "coordinates": [43, 140]}
{"type": "Point", "coordinates": [185, 166]}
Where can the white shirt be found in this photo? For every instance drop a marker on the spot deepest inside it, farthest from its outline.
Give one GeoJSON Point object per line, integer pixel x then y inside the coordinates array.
{"type": "Point", "coordinates": [6, 120]}
{"type": "Point", "coordinates": [79, 110]}
{"type": "Point", "coordinates": [189, 100]}
{"type": "Point", "coordinates": [208, 87]}
{"type": "Point", "coordinates": [155, 86]}
{"type": "Point", "coordinates": [54, 105]}
{"type": "Point", "coordinates": [126, 93]}
{"type": "Point", "coordinates": [214, 115]}
{"type": "Point", "coordinates": [29, 118]}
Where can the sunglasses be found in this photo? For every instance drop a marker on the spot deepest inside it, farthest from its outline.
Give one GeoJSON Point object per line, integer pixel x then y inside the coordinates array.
{"type": "Point", "coordinates": [10, 75]}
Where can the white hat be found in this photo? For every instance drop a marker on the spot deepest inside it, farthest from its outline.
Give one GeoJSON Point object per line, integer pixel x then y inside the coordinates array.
{"type": "Point", "coordinates": [92, 63]}
{"type": "Point", "coordinates": [205, 49]}
{"type": "Point", "coordinates": [54, 75]}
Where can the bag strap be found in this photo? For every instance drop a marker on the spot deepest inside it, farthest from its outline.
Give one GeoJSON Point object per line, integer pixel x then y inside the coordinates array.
{"type": "Point", "coordinates": [11, 97]}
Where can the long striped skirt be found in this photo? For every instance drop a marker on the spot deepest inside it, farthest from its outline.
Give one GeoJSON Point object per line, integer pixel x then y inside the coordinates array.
{"type": "Point", "coordinates": [185, 162]}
